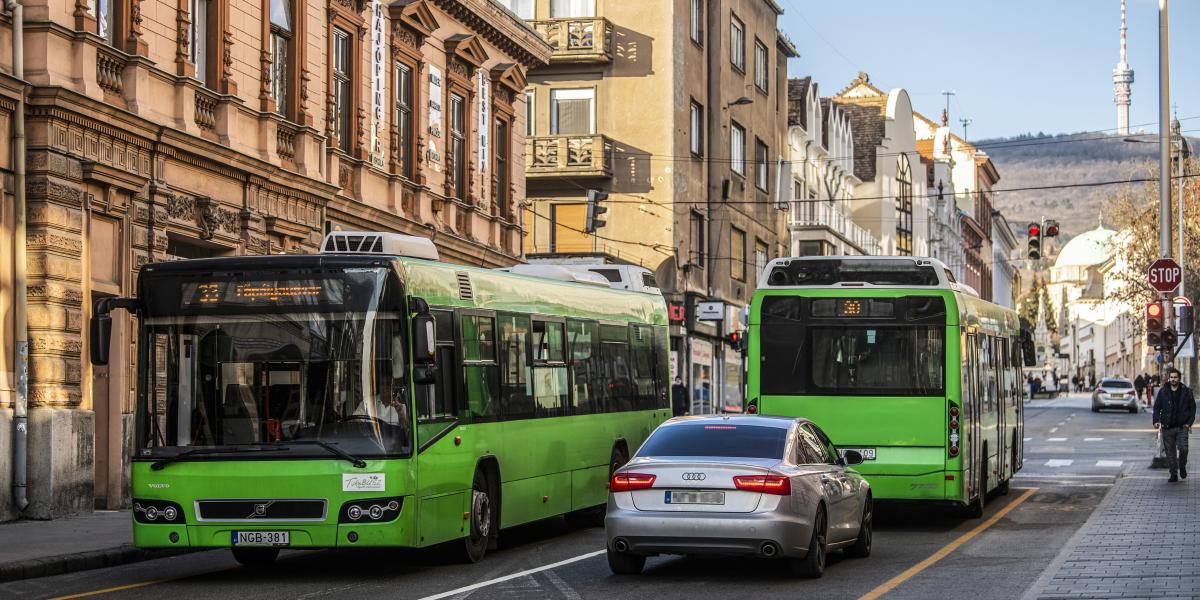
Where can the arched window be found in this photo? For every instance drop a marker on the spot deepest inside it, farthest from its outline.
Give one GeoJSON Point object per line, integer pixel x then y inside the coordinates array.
{"type": "Point", "coordinates": [904, 211]}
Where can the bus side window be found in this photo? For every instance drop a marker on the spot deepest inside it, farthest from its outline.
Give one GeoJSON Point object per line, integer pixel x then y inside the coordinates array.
{"type": "Point", "coordinates": [515, 399]}
{"type": "Point", "coordinates": [480, 377]}
{"type": "Point", "coordinates": [643, 365]}
{"type": "Point", "coordinates": [581, 343]}
{"type": "Point", "coordinates": [662, 366]}
{"type": "Point", "coordinates": [440, 401]}
{"type": "Point", "coordinates": [616, 375]}
{"type": "Point", "coordinates": [549, 377]}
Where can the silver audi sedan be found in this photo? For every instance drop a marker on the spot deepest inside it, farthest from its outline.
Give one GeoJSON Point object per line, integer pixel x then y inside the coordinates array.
{"type": "Point", "coordinates": [1115, 392]}
{"type": "Point", "coordinates": [772, 487]}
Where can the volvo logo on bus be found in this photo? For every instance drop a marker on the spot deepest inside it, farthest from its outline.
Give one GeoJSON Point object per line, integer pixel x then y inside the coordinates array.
{"type": "Point", "coordinates": [260, 509]}
{"type": "Point", "coordinates": [693, 476]}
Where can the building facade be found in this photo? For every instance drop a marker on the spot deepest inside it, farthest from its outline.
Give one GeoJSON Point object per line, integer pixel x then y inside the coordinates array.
{"type": "Point", "coordinates": [1006, 276]}
{"type": "Point", "coordinates": [162, 130]}
{"type": "Point", "coordinates": [677, 109]}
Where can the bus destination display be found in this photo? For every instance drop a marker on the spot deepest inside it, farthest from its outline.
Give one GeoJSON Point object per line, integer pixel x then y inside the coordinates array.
{"type": "Point", "coordinates": [296, 292]}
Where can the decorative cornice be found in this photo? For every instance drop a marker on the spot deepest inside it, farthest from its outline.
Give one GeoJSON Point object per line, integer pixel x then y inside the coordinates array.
{"type": "Point", "coordinates": [499, 27]}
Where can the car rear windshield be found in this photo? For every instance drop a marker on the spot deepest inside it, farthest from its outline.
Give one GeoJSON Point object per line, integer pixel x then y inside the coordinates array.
{"type": "Point", "coordinates": [1117, 384]}
{"type": "Point", "coordinates": [717, 440]}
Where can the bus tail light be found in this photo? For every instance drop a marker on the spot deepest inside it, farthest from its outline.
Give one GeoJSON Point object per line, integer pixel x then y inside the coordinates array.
{"type": "Point", "coordinates": [952, 424]}
{"type": "Point", "coordinates": [777, 485]}
{"type": "Point", "coordinates": [628, 482]}
{"type": "Point", "coordinates": [752, 407]}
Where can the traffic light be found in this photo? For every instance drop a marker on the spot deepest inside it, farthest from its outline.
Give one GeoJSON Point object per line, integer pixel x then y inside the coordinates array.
{"type": "Point", "coordinates": [1051, 229]}
{"type": "Point", "coordinates": [594, 210]}
{"type": "Point", "coordinates": [737, 339]}
{"type": "Point", "coordinates": [1154, 325]}
{"type": "Point", "coordinates": [1184, 321]}
{"type": "Point", "coordinates": [1035, 241]}
{"type": "Point", "coordinates": [1169, 340]}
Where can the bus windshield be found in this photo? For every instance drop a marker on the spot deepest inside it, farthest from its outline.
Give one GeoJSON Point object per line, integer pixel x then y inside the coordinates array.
{"type": "Point", "coordinates": [886, 347]}
{"type": "Point", "coordinates": [284, 371]}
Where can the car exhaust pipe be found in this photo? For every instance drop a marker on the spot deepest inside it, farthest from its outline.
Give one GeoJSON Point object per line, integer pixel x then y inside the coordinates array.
{"type": "Point", "coordinates": [769, 550]}
{"type": "Point", "coordinates": [621, 545]}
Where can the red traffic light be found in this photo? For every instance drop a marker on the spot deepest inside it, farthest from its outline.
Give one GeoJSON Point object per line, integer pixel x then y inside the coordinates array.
{"type": "Point", "coordinates": [1051, 228]}
{"type": "Point", "coordinates": [1153, 310]}
{"type": "Point", "coordinates": [1034, 230]}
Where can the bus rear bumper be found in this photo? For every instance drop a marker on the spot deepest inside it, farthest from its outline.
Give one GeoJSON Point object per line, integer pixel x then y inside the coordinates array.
{"type": "Point", "coordinates": [938, 485]}
{"type": "Point", "coordinates": [392, 534]}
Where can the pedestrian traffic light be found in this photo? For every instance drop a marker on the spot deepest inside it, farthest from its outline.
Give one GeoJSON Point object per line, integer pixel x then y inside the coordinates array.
{"type": "Point", "coordinates": [1169, 340]}
{"type": "Point", "coordinates": [594, 210]}
{"type": "Point", "coordinates": [1051, 229]}
{"type": "Point", "coordinates": [1184, 321]}
{"type": "Point", "coordinates": [1154, 325]}
{"type": "Point", "coordinates": [1035, 241]}
{"type": "Point", "coordinates": [737, 339]}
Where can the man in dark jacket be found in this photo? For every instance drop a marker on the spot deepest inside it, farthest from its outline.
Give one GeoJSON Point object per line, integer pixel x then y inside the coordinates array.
{"type": "Point", "coordinates": [679, 397]}
{"type": "Point", "coordinates": [1174, 414]}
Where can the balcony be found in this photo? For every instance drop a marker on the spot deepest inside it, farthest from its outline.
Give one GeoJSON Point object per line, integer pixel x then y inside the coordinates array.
{"type": "Point", "coordinates": [568, 156]}
{"type": "Point", "coordinates": [577, 40]}
{"type": "Point", "coordinates": [820, 214]}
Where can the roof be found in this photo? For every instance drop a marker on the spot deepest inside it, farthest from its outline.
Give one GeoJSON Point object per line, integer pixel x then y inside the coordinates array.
{"type": "Point", "coordinates": [797, 94]}
{"type": "Point", "coordinates": [1087, 249]}
{"type": "Point", "coordinates": [868, 127]}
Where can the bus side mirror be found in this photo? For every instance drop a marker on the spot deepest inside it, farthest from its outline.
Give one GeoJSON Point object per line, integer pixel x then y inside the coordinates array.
{"type": "Point", "coordinates": [99, 337]}
{"type": "Point", "coordinates": [424, 339]}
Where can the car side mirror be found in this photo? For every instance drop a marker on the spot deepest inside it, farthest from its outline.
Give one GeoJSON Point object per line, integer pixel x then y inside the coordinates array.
{"type": "Point", "coordinates": [851, 458]}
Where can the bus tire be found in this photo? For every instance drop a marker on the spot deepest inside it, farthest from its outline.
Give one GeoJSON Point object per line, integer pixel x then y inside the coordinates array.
{"type": "Point", "coordinates": [255, 557]}
{"type": "Point", "coordinates": [482, 520]}
{"type": "Point", "coordinates": [593, 516]}
{"type": "Point", "coordinates": [862, 544]}
{"type": "Point", "coordinates": [812, 565]}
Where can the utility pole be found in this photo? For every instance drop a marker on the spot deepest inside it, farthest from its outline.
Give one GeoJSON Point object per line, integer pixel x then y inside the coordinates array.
{"type": "Point", "coordinates": [1164, 164]}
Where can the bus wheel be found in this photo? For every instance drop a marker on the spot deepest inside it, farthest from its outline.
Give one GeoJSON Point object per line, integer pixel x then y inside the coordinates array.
{"type": "Point", "coordinates": [593, 516]}
{"type": "Point", "coordinates": [483, 521]}
{"type": "Point", "coordinates": [255, 557]}
{"type": "Point", "coordinates": [974, 510]}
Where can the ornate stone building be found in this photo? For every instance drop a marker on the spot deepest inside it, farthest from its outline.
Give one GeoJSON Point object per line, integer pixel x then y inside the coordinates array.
{"type": "Point", "coordinates": [160, 129]}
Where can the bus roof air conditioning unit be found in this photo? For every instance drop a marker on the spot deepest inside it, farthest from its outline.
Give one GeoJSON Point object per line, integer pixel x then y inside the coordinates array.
{"type": "Point", "coordinates": [370, 242]}
{"type": "Point", "coordinates": [557, 272]}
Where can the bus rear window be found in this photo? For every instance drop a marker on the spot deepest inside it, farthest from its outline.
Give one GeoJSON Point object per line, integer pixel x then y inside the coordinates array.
{"type": "Point", "coordinates": [720, 440]}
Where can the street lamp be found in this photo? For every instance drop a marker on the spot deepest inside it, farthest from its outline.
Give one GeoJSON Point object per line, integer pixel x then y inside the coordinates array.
{"type": "Point", "coordinates": [741, 101]}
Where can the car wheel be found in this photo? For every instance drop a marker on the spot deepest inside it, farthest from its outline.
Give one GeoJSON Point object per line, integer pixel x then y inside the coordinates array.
{"type": "Point", "coordinates": [624, 563]}
{"type": "Point", "coordinates": [472, 548]}
{"type": "Point", "coordinates": [862, 545]}
{"type": "Point", "coordinates": [255, 557]}
{"type": "Point", "coordinates": [812, 566]}
{"type": "Point", "coordinates": [593, 516]}
{"type": "Point", "coordinates": [1133, 410]}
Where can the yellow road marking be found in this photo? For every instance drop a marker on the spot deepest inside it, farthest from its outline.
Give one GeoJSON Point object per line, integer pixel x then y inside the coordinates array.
{"type": "Point", "coordinates": [891, 584]}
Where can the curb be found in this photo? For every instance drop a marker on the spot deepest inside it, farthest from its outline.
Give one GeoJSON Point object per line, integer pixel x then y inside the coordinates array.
{"type": "Point", "coordinates": [83, 561]}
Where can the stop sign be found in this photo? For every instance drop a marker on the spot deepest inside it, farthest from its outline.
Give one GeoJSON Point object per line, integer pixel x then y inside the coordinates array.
{"type": "Point", "coordinates": [1164, 275]}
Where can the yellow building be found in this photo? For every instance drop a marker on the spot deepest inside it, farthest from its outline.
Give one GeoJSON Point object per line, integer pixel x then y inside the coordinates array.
{"type": "Point", "coordinates": [677, 109]}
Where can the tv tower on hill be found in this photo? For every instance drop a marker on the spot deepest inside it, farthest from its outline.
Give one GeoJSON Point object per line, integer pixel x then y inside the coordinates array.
{"type": "Point", "coordinates": [1122, 79]}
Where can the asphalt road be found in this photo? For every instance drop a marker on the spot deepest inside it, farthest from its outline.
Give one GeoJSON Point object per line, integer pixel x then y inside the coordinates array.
{"type": "Point", "coordinates": [1072, 457]}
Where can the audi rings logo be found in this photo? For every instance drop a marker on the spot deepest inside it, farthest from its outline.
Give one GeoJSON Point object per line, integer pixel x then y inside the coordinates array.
{"type": "Point", "coordinates": [693, 476]}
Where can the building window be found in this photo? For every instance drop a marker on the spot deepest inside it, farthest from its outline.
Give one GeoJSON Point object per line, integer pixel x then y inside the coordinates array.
{"type": "Point", "coordinates": [198, 39]}
{"type": "Point", "coordinates": [566, 231]}
{"type": "Point", "coordinates": [522, 8]}
{"type": "Point", "coordinates": [761, 165]}
{"type": "Point", "coordinates": [342, 107]}
{"type": "Point", "coordinates": [904, 209]}
{"type": "Point", "coordinates": [737, 252]}
{"type": "Point", "coordinates": [568, 9]}
{"type": "Point", "coordinates": [761, 78]}
{"type": "Point", "coordinates": [458, 146]}
{"type": "Point", "coordinates": [281, 53]}
{"type": "Point", "coordinates": [760, 259]}
{"type": "Point", "coordinates": [530, 113]}
{"type": "Point", "coordinates": [572, 111]}
{"type": "Point", "coordinates": [697, 129]}
{"type": "Point", "coordinates": [699, 233]}
{"type": "Point", "coordinates": [737, 44]}
{"type": "Point", "coordinates": [814, 248]}
{"type": "Point", "coordinates": [696, 21]}
{"type": "Point", "coordinates": [404, 119]}
{"type": "Point", "coordinates": [105, 22]}
{"type": "Point", "coordinates": [737, 149]}
{"type": "Point", "coordinates": [500, 158]}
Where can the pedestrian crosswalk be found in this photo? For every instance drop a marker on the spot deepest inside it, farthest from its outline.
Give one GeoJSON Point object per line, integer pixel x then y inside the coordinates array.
{"type": "Point", "coordinates": [1066, 462]}
{"type": "Point", "coordinates": [1059, 440]}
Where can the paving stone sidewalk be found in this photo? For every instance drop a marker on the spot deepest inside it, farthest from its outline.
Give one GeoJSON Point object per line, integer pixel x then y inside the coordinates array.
{"type": "Point", "coordinates": [1142, 541]}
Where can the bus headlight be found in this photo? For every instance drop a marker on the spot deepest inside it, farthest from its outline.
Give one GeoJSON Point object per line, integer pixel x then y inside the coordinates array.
{"type": "Point", "coordinates": [158, 512]}
{"type": "Point", "coordinates": [371, 510]}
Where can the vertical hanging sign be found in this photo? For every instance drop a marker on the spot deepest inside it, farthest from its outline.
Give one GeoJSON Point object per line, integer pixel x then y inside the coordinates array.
{"type": "Point", "coordinates": [435, 114]}
{"type": "Point", "coordinates": [484, 118]}
{"type": "Point", "coordinates": [377, 82]}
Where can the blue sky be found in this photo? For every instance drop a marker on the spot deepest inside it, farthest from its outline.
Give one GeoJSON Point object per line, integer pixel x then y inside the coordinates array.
{"type": "Point", "coordinates": [1017, 65]}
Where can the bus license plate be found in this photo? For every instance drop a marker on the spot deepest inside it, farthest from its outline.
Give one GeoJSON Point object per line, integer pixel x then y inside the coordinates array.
{"type": "Point", "coordinates": [867, 453]}
{"type": "Point", "coordinates": [694, 497]}
{"type": "Point", "coordinates": [261, 538]}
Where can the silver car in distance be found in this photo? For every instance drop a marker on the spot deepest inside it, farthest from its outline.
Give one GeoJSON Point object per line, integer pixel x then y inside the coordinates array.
{"type": "Point", "coordinates": [773, 487]}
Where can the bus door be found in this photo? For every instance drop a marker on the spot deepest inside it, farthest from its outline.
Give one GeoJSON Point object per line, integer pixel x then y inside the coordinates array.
{"type": "Point", "coordinates": [971, 407]}
{"type": "Point", "coordinates": [1000, 401]}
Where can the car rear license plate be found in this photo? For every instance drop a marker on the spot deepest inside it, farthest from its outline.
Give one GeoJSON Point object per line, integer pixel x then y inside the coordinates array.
{"type": "Point", "coordinates": [261, 538]}
{"type": "Point", "coordinates": [694, 497]}
{"type": "Point", "coordinates": [867, 453]}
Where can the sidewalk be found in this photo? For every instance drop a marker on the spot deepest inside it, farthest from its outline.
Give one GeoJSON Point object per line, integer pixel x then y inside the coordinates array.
{"type": "Point", "coordinates": [1142, 541]}
{"type": "Point", "coordinates": [40, 548]}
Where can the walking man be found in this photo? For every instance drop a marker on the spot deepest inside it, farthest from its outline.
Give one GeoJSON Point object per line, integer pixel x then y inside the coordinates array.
{"type": "Point", "coordinates": [1174, 413]}
{"type": "Point", "coordinates": [679, 397]}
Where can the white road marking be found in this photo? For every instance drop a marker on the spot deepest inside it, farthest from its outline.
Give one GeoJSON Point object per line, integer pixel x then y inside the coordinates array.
{"type": "Point", "coordinates": [1109, 463]}
{"type": "Point", "coordinates": [1059, 462]}
{"type": "Point", "coordinates": [1053, 430]}
{"type": "Point", "coordinates": [483, 584]}
{"type": "Point", "coordinates": [1056, 439]}
{"type": "Point", "coordinates": [1036, 476]}
{"type": "Point", "coordinates": [1029, 439]}
{"type": "Point", "coordinates": [1093, 439]}
{"type": "Point", "coordinates": [1128, 440]}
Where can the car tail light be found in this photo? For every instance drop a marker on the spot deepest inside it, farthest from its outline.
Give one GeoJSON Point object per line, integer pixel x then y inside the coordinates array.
{"type": "Point", "coordinates": [766, 484]}
{"type": "Point", "coordinates": [628, 482]}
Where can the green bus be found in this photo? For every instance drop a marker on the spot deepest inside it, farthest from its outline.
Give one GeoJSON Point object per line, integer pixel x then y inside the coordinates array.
{"type": "Point", "coordinates": [893, 358]}
{"type": "Point", "coordinates": [373, 396]}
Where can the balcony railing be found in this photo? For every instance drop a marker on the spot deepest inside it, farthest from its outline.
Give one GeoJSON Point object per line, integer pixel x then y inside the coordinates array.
{"type": "Point", "coordinates": [206, 110]}
{"type": "Point", "coordinates": [585, 39]}
{"type": "Point", "coordinates": [568, 156]}
{"type": "Point", "coordinates": [819, 213]}
{"type": "Point", "coordinates": [110, 67]}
